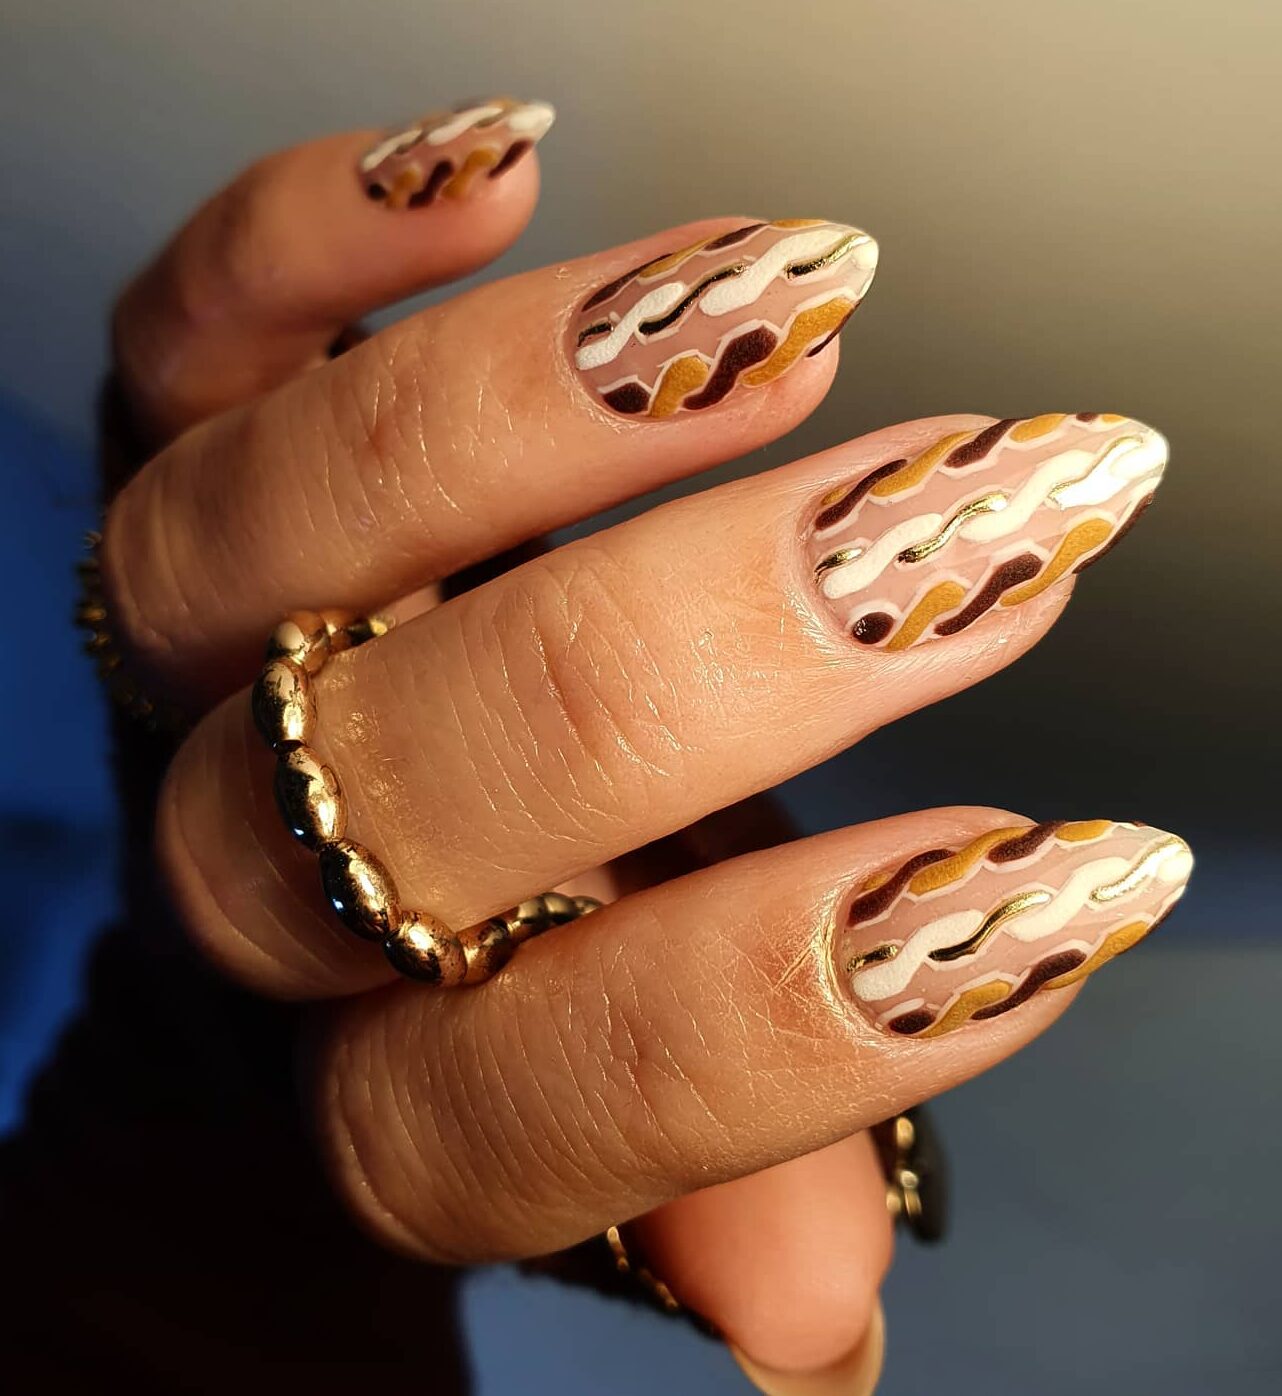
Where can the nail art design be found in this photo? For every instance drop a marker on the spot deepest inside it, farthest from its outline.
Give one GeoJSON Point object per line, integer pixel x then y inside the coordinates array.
{"type": "Point", "coordinates": [687, 329]}
{"type": "Point", "coordinates": [961, 934]}
{"type": "Point", "coordinates": [447, 152]}
{"type": "Point", "coordinates": [923, 547]}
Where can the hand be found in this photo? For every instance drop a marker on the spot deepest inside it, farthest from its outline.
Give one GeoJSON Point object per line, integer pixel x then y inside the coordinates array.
{"type": "Point", "coordinates": [704, 1053]}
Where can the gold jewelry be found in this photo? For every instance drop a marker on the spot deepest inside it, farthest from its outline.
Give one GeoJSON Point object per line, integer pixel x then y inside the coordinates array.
{"type": "Point", "coordinates": [360, 889]}
{"type": "Point", "coordinates": [91, 616]}
{"type": "Point", "coordinates": [641, 1274]}
{"type": "Point", "coordinates": [916, 1174]}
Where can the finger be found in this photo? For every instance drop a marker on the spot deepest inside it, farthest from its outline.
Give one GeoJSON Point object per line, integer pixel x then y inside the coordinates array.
{"type": "Point", "coordinates": [459, 433]}
{"type": "Point", "coordinates": [856, 1374]}
{"type": "Point", "coordinates": [624, 686]}
{"type": "Point", "coordinates": [719, 1024]}
{"type": "Point", "coordinates": [786, 1264]}
{"type": "Point", "coordinates": [266, 274]}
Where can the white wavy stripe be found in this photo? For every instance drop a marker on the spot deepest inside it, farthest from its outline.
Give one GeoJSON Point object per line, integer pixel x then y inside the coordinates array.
{"type": "Point", "coordinates": [859, 572]}
{"type": "Point", "coordinates": [462, 121]}
{"type": "Point", "coordinates": [596, 353]}
{"type": "Point", "coordinates": [391, 146]}
{"type": "Point", "coordinates": [532, 120]}
{"type": "Point", "coordinates": [741, 291]}
{"type": "Point", "coordinates": [1115, 470]}
{"type": "Point", "coordinates": [893, 976]}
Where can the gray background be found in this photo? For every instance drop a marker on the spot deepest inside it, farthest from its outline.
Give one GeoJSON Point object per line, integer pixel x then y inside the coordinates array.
{"type": "Point", "coordinates": [1079, 207]}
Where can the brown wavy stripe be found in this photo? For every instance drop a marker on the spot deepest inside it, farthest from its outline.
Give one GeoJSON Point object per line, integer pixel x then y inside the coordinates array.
{"type": "Point", "coordinates": [807, 325]}
{"type": "Point", "coordinates": [628, 398]}
{"type": "Point", "coordinates": [441, 173]}
{"type": "Point", "coordinates": [681, 377]}
{"type": "Point", "coordinates": [908, 1023]}
{"type": "Point", "coordinates": [739, 354]}
{"type": "Point", "coordinates": [515, 152]}
{"type": "Point", "coordinates": [873, 902]}
{"type": "Point", "coordinates": [967, 1005]}
{"type": "Point", "coordinates": [937, 600]}
{"type": "Point", "coordinates": [1052, 967]}
{"type": "Point", "coordinates": [1117, 943]}
{"type": "Point", "coordinates": [1074, 544]}
{"type": "Point", "coordinates": [1131, 520]}
{"type": "Point", "coordinates": [960, 862]}
{"type": "Point", "coordinates": [872, 628]}
{"type": "Point", "coordinates": [611, 288]}
{"type": "Point", "coordinates": [1009, 574]}
{"type": "Point", "coordinates": [729, 239]}
{"type": "Point", "coordinates": [974, 450]}
{"type": "Point", "coordinates": [1025, 844]}
{"type": "Point", "coordinates": [843, 504]}
{"type": "Point", "coordinates": [916, 470]}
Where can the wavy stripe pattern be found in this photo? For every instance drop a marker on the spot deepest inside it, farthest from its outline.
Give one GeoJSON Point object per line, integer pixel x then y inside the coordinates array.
{"type": "Point", "coordinates": [922, 548]}
{"type": "Point", "coordinates": [448, 152]}
{"type": "Point", "coordinates": [955, 935]}
{"type": "Point", "coordinates": [683, 331]}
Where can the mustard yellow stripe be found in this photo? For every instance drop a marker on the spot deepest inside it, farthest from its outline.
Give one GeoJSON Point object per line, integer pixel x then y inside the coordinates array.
{"type": "Point", "coordinates": [1033, 427]}
{"type": "Point", "coordinates": [1083, 830]}
{"type": "Point", "coordinates": [1120, 941]}
{"type": "Point", "coordinates": [681, 377]}
{"type": "Point", "coordinates": [671, 260]}
{"type": "Point", "coordinates": [1085, 538]}
{"type": "Point", "coordinates": [920, 466]}
{"type": "Point", "coordinates": [950, 870]}
{"type": "Point", "coordinates": [947, 596]}
{"type": "Point", "coordinates": [967, 1005]}
{"type": "Point", "coordinates": [807, 327]}
{"type": "Point", "coordinates": [484, 157]}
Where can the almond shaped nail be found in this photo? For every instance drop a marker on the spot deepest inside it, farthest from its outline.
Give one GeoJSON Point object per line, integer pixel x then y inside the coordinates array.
{"type": "Point", "coordinates": [920, 548]}
{"type": "Point", "coordinates": [693, 327]}
{"type": "Point", "coordinates": [962, 935]}
{"type": "Point", "coordinates": [448, 154]}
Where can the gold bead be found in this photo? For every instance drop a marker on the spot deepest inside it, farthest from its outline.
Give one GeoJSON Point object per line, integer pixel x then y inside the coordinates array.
{"type": "Point", "coordinates": [528, 918]}
{"type": "Point", "coordinates": [583, 905]}
{"type": "Point", "coordinates": [309, 797]}
{"type": "Point", "coordinates": [423, 947]}
{"type": "Point", "coordinates": [283, 704]}
{"type": "Point", "coordinates": [557, 909]}
{"type": "Point", "coordinates": [488, 947]}
{"type": "Point", "coordinates": [360, 889]}
{"type": "Point", "coordinates": [302, 637]}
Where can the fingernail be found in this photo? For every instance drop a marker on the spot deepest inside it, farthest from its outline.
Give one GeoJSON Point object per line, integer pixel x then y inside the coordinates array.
{"type": "Point", "coordinates": [921, 547]}
{"type": "Point", "coordinates": [694, 327]}
{"type": "Point", "coordinates": [854, 1375]}
{"type": "Point", "coordinates": [449, 154]}
{"type": "Point", "coordinates": [965, 934]}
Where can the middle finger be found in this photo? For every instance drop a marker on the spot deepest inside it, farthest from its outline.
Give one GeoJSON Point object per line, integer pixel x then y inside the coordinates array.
{"type": "Point", "coordinates": [619, 688]}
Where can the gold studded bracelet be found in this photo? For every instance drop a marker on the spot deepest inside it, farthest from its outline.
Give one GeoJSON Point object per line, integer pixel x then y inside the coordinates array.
{"type": "Point", "coordinates": [360, 889]}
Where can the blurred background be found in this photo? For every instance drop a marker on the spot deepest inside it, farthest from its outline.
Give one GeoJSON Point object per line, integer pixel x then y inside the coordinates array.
{"type": "Point", "coordinates": [1079, 207]}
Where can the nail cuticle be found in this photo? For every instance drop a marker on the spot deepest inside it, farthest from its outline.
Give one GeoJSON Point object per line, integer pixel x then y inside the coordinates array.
{"type": "Point", "coordinates": [966, 933]}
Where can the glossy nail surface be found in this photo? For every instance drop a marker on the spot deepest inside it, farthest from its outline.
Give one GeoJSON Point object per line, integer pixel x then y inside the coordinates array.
{"type": "Point", "coordinates": [918, 549]}
{"type": "Point", "coordinates": [448, 154]}
{"type": "Point", "coordinates": [689, 329]}
{"type": "Point", "coordinates": [958, 935]}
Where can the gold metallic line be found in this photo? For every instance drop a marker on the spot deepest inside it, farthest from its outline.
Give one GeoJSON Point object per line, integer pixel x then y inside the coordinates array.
{"type": "Point", "coordinates": [670, 260]}
{"type": "Point", "coordinates": [997, 917]}
{"type": "Point", "coordinates": [1121, 447]}
{"type": "Point", "coordinates": [878, 955]}
{"type": "Point", "coordinates": [826, 259]}
{"type": "Point", "coordinates": [837, 559]}
{"type": "Point", "coordinates": [988, 504]}
{"type": "Point", "coordinates": [1140, 873]}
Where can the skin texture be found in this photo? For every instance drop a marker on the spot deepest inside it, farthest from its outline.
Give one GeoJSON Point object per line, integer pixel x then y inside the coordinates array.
{"type": "Point", "coordinates": [571, 721]}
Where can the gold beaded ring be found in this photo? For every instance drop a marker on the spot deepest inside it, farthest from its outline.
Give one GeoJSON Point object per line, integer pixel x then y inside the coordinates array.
{"type": "Point", "coordinates": [360, 889]}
